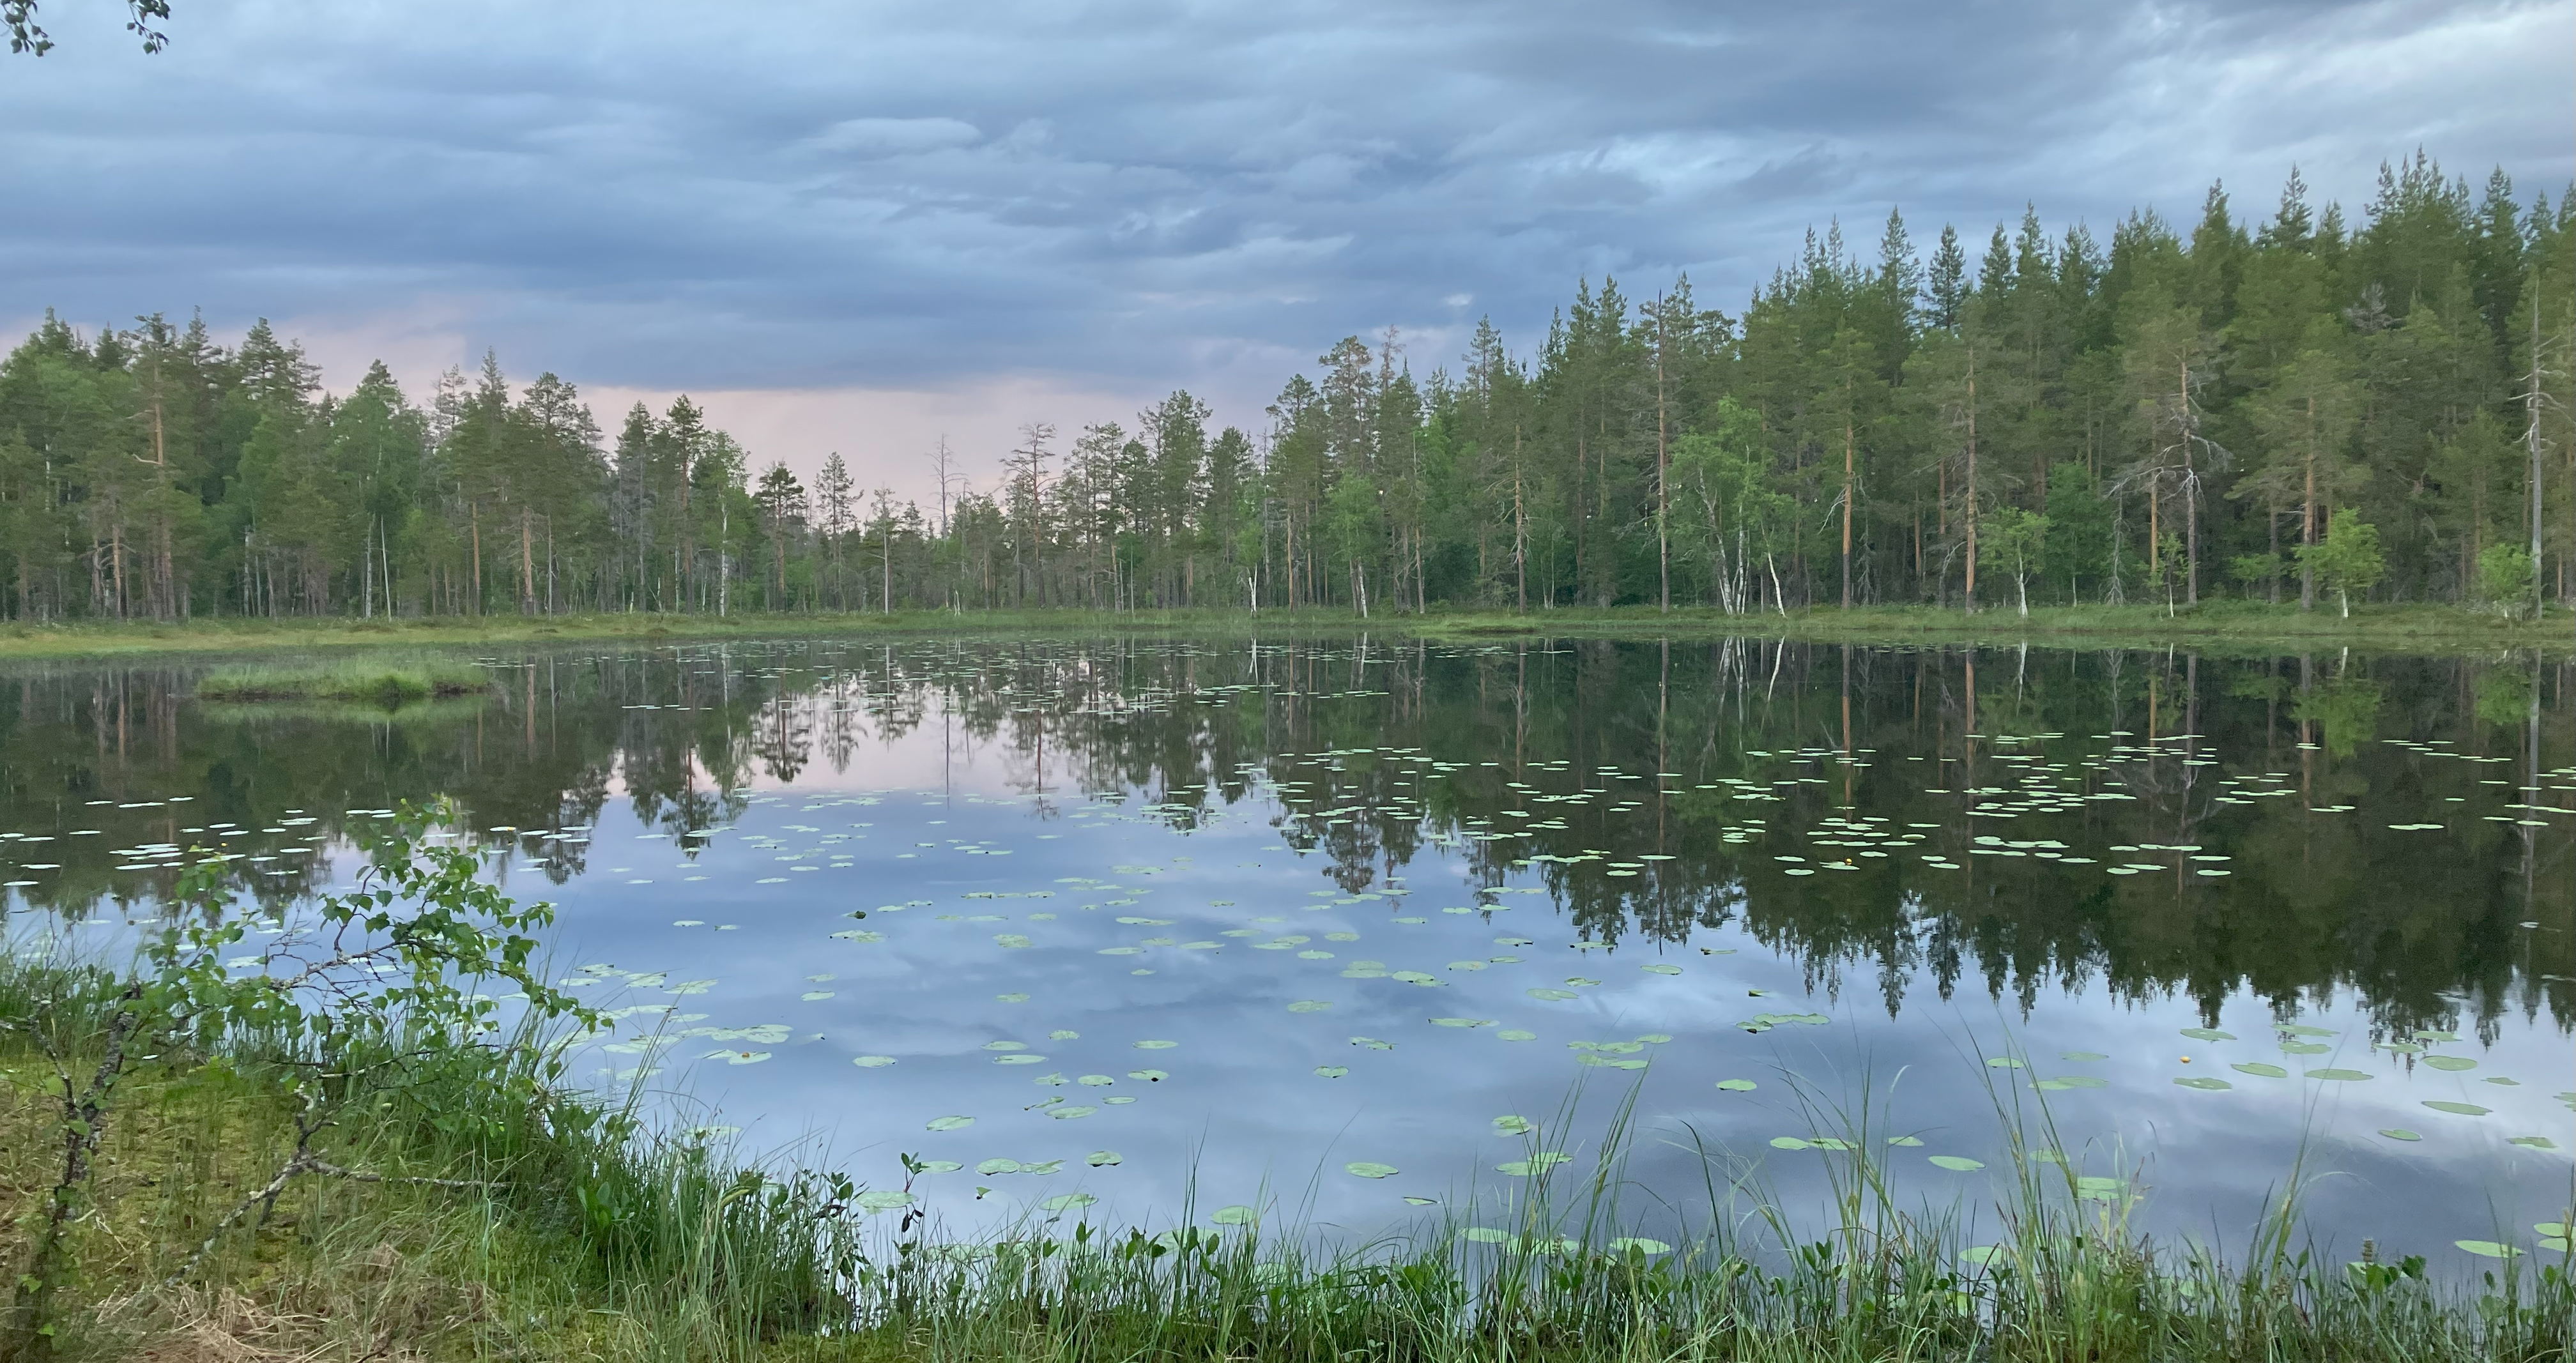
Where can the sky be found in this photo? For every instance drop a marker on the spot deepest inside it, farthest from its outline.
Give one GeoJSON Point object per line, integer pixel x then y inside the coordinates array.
{"type": "Point", "coordinates": [863, 227]}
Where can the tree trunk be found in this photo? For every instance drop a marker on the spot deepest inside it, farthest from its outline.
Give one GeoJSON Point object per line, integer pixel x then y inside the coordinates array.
{"type": "Point", "coordinates": [2308, 526]}
{"type": "Point", "coordinates": [1847, 501]}
{"type": "Point", "coordinates": [1969, 598]}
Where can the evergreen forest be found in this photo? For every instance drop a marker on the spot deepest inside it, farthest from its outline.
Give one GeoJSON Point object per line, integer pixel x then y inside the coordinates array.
{"type": "Point", "coordinates": [2285, 406]}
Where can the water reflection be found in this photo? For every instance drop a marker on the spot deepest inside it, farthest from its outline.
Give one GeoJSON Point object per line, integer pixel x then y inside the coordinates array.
{"type": "Point", "coordinates": [1881, 816]}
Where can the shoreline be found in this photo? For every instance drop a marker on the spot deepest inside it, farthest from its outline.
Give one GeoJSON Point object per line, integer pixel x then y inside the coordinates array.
{"type": "Point", "coordinates": [2227, 626]}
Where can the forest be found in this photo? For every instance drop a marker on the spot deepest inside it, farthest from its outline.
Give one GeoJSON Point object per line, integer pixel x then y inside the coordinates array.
{"type": "Point", "coordinates": [2301, 410]}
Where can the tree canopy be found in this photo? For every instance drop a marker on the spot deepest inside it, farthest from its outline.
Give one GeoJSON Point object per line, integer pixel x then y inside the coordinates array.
{"type": "Point", "coordinates": [2169, 416]}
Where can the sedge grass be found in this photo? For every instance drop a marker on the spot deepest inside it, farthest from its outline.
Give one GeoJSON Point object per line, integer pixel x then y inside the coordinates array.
{"type": "Point", "coordinates": [385, 682]}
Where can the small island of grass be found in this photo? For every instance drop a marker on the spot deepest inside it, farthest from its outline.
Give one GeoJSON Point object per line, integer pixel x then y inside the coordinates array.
{"type": "Point", "coordinates": [376, 681]}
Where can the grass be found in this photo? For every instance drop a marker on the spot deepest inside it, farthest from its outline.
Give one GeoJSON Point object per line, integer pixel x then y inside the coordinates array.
{"type": "Point", "coordinates": [601, 1237]}
{"type": "Point", "coordinates": [385, 682]}
{"type": "Point", "coordinates": [2217, 624]}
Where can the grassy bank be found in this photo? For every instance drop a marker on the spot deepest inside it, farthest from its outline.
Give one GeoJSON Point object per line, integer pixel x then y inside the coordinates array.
{"type": "Point", "coordinates": [2215, 625]}
{"type": "Point", "coordinates": [560, 1227]}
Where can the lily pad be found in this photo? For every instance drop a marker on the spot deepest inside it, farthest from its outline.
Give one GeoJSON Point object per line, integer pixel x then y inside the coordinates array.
{"type": "Point", "coordinates": [2458, 1109]}
{"type": "Point", "coordinates": [1958, 1163]}
{"type": "Point", "coordinates": [2203, 1083]}
{"type": "Point", "coordinates": [1332, 1071]}
{"type": "Point", "coordinates": [2208, 1034]}
{"type": "Point", "coordinates": [950, 1123]}
{"type": "Point", "coordinates": [1370, 1169]}
{"type": "Point", "coordinates": [1737, 1085]}
{"type": "Point", "coordinates": [1156, 1045]}
{"type": "Point", "coordinates": [999, 1166]}
{"type": "Point", "coordinates": [2399, 1133]}
{"type": "Point", "coordinates": [1101, 1159]}
{"type": "Point", "coordinates": [2487, 1249]}
{"type": "Point", "coordinates": [2533, 1142]}
{"type": "Point", "coordinates": [1066, 1202]}
{"type": "Point", "coordinates": [1237, 1215]}
{"type": "Point", "coordinates": [2340, 1076]}
{"type": "Point", "coordinates": [1554, 995]}
{"type": "Point", "coordinates": [1660, 970]}
{"type": "Point", "coordinates": [1512, 1126]}
{"type": "Point", "coordinates": [2260, 1070]}
{"type": "Point", "coordinates": [871, 1062]}
{"type": "Point", "coordinates": [2450, 1062]}
{"type": "Point", "coordinates": [1790, 1143]}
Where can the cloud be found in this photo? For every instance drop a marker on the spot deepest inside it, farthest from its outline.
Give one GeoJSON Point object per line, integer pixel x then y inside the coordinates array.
{"type": "Point", "coordinates": [1124, 197]}
{"type": "Point", "coordinates": [880, 137]}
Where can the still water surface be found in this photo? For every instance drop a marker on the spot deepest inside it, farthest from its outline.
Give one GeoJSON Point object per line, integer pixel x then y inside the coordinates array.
{"type": "Point", "coordinates": [1318, 928]}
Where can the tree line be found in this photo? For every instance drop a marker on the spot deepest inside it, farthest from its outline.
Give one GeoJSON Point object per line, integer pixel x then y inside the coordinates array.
{"type": "Point", "coordinates": [2299, 408]}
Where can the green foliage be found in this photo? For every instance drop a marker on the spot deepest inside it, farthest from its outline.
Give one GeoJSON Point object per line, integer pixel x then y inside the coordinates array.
{"type": "Point", "coordinates": [2348, 559]}
{"type": "Point", "coordinates": [2014, 538]}
{"type": "Point", "coordinates": [2255, 570]}
{"type": "Point", "coordinates": [2505, 577]}
{"type": "Point", "coordinates": [26, 36]}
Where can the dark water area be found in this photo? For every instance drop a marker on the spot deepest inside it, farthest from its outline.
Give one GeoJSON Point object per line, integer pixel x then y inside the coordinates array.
{"type": "Point", "coordinates": [1317, 928]}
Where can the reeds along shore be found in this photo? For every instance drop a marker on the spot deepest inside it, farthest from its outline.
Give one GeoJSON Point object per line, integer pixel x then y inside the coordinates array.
{"type": "Point", "coordinates": [570, 1225]}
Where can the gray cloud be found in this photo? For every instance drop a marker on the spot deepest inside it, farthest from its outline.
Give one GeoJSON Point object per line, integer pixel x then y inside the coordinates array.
{"type": "Point", "coordinates": [800, 195]}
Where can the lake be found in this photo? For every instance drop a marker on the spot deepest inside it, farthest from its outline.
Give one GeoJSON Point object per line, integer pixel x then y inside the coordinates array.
{"type": "Point", "coordinates": [1357, 935]}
